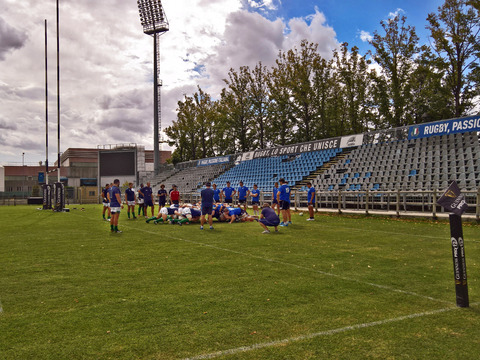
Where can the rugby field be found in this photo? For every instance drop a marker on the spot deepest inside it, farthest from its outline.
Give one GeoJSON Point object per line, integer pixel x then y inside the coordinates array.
{"type": "Point", "coordinates": [341, 287]}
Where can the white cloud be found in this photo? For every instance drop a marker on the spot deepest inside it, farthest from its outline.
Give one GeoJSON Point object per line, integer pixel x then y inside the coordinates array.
{"type": "Point", "coordinates": [396, 13]}
{"type": "Point", "coordinates": [106, 65]}
{"type": "Point", "coordinates": [264, 4]}
{"type": "Point", "coordinates": [365, 36]}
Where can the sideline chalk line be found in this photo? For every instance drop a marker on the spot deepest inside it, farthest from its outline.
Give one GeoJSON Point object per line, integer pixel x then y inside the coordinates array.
{"type": "Point", "coordinates": [258, 346]}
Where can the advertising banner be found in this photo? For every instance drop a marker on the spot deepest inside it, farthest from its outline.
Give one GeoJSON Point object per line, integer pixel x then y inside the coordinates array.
{"type": "Point", "coordinates": [59, 196]}
{"type": "Point", "coordinates": [47, 196]}
{"type": "Point", "coordinates": [351, 141]}
{"type": "Point", "coordinates": [459, 263]}
{"type": "Point", "coordinates": [446, 127]}
{"type": "Point", "coordinates": [213, 161]}
{"type": "Point", "coordinates": [333, 143]}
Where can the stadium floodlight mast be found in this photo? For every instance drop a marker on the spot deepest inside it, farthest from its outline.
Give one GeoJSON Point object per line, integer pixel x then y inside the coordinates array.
{"type": "Point", "coordinates": [155, 23]}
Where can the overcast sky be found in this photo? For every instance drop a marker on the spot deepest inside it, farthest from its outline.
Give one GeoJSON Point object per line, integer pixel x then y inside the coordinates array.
{"type": "Point", "coordinates": [107, 62]}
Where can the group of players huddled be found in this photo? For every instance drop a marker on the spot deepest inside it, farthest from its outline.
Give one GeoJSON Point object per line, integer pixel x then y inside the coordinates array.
{"type": "Point", "coordinates": [215, 204]}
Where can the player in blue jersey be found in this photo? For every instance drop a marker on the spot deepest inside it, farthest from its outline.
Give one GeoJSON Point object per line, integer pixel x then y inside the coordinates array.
{"type": "Point", "coordinates": [255, 199]}
{"type": "Point", "coordinates": [147, 193]}
{"type": "Point", "coordinates": [115, 205]}
{"type": "Point", "coordinates": [162, 196]}
{"type": "Point", "coordinates": [216, 193]}
{"type": "Point", "coordinates": [283, 197]}
{"type": "Point", "coordinates": [243, 193]}
{"type": "Point", "coordinates": [227, 193]}
{"type": "Point", "coordinates": [106, 201]}
{"type": "Point", "coordinates": [311, 201]}
{"type": "Point", "coordinates": [130, 199]}
{"type": "Point", "coordinates": [207, 205]}
{"type": "Point", "coordinates": [218, 212]}
{"type": "Point", "coordinates": [141, 201]}
{"type": "Point", "coordinates": [232, 213]}
{"type": "Point", "coordinates": [236, 214]}
{"type": "Point", "coordinates": [275, 203]}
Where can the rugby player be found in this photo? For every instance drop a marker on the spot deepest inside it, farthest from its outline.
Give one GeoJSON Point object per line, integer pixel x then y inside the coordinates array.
{"type": "Point", "coordinates": [106, 201]}
{"type": "Point", "coordinates": [227, 193]}
{"type": "Point", "coordinates": [255, 199]}
{"type": "Point", "coordinates": [115, 205]}
{"type": "Point", "coordinates": [141, 201]}
{"type": "Point", "coordinates": [275, 203]}
{"type": "Point", "coordinates": [162, 196]}
{"type": "Point", "coordinates": [311, 201]}
{"type": "Point", "coordinates": [243, 193]}
{"type": "Point", "coordinates": [283, 197]}
{"type": "Point", "coordinates": [130, 199]}
{"type": "Point", "coordinates": [147, 193]}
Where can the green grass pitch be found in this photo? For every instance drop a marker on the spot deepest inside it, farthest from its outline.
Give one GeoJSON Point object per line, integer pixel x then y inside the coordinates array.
{"type": "Point", "coordinates": [341, 287]}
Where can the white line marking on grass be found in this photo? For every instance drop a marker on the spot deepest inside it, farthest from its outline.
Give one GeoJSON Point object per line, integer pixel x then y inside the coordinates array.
{"type": "Point", "coordinates": [385, 287]}
{"type": "Point", "coordinates": [243, 349]}
{"type": "Point", "coordinates": [1, 308]}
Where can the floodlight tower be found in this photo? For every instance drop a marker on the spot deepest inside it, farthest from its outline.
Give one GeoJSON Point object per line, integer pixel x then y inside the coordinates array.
{"type": "Point", "coordinates": [154, 23]}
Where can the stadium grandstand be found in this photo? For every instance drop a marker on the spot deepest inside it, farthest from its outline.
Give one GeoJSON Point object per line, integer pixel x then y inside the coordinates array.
{"type": "Point", "coordinates": [415, 162]}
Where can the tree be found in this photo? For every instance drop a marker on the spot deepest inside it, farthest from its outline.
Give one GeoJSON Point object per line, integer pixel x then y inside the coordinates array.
{"type": "Point", "coordinates": [237, 102]}
{"type": "Point", "coordinates": [354, 76]}
{"type": "Point", "coordinates": [260, 98]}
{"type": "Point", "coordinates": [456, 42]}
{"type": "Point", "coordinates": [184, 131]}
{"type": "Point", "coordinates": [301, 65]}
{"type": "Point", "coordinates": [203, 120]}
{"type": "Point", "coordinates": [430, 98]}
{"type": "Point", "coordinates": [280, 110]}
{"type": "Point", "coordinates": [395, 52]}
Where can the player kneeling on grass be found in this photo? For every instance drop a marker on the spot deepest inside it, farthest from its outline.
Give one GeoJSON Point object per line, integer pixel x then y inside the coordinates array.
{"type": "Point", "coordinates": [115, 206]}
{"type": "Point", "coordinates": [268, 217]}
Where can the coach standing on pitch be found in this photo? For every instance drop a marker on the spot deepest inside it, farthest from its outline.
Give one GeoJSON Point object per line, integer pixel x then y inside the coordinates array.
{"type": "Point", "coordinates": [207, 205]}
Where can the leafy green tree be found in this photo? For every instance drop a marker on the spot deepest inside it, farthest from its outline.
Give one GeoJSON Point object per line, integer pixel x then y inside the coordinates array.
{"type": "Point", "coordinates": [280, 110]}
{"type": "Point", "coordinates": [184, 131]}
{"type": "Point", "coordinates": [237, 102]}
{"type": "Point", "coordinates": [430, 98]}
{"type": "Point", "coordinates": [204, 122]}
{"type": "Point", "coordinates": [259, 92]}
{"type": "Point", "coordinates": [301, 65]}
{"type": "Point", "coordinates": [355, 81]}
{"type": "Point", "coordinates": [395, 52]}
{"type": "Point", "coordinates": [455, 31]}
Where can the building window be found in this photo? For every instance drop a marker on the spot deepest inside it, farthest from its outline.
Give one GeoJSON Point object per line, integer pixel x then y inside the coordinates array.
{"type": "Point", "coordinates": [91, 193]}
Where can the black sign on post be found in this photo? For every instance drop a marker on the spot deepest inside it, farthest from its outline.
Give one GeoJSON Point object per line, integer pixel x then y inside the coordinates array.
{"type": "Point", "coordinates": [459, 265]}
{"type": "Point", "coordinates": [47, 196]}
{"type": "Point", "coordinates": [453, 201]}
{"type": "Point", "coordinates": [59, 196]}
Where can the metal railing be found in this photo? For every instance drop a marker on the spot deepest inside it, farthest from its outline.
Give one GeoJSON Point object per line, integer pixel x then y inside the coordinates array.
{"type": "Point", "coordinates": [394, 202]}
